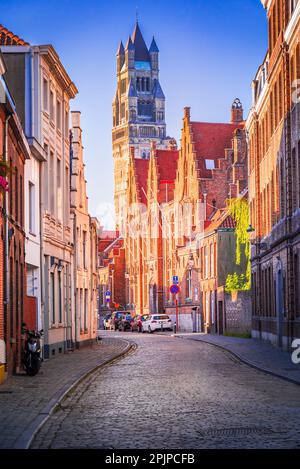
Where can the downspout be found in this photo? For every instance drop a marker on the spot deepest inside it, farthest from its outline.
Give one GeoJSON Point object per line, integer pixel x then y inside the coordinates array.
{"type": "Point", "coordinates": [6, 237]}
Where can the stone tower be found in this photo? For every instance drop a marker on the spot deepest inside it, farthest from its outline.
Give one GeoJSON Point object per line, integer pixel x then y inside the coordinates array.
{"type": "Point", "coordinates": [138, 111]}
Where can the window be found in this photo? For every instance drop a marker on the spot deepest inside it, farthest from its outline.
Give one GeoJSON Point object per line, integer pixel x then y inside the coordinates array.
{"type": "Point", "coordinates": [84, 249]}
{"type": "Point", "coordinates": [52, 292]}
{"type": "Point", "coordinates": [51, 105]}
{"type": "Point", "coordinates": [51, 183]}
{"type": "Point", "coordinates": [58, 114]}
{"type": "Point", "coordinates": [59, 296]}
{"type": "Point", "coordinates": [45, 95]}
{"type": "Point", "coordinates": [66, 125]}
{"type": "Point", "coordinates": [21, 202]}
{"type": "Point", "coordinates": [66, 198]}
{"type": "Point", "coordinates": [206, 262]}
{"type": "Point", "coordinates": [59, 190]}
{"type": "Point", "coordinates": [122, 110]}
{"type": "Point", "coordinates": [31, 197]}
{"type": "Point", "coordinates": [210, 164]}
{"type": "Point", "coordinates": [212, 261]}
{"type": "Point", "coordinates": [188, 292]}
{"type": "Point", "coordinates": [123, 86]}
{"type": "Point", "coordinates": [85, 309]}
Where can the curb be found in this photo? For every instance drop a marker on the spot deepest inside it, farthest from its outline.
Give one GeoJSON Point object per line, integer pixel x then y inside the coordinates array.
{"type": "Point", "coordinates": [244, 360]}
{"type": "Point", "coordinates": [25, 440]}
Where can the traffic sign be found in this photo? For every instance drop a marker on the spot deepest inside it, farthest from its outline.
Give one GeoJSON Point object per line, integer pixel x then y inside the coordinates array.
{"type": "Point", "coordinates": [108, 294]}
{"type": "Point", "coordinates": [175, 279]}
{"type": "Point", "coordinates": [174, 289]}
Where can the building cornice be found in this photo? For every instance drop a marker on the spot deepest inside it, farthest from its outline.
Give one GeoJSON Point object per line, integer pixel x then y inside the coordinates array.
{"type": "Point", "coordinates": [266, 4]}
{"type": "Point", "coordinates": [292, 24]}
{"type": "Point", "coordinates": [52, 58]}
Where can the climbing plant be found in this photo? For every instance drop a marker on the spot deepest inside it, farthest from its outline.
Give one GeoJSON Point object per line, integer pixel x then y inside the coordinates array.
{"type": "Point", "coordinates": [239, 211]}
{"type": "Point", "coordinates": [5, 169]}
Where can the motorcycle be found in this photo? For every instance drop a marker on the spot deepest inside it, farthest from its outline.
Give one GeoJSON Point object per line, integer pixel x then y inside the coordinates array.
{"type": "Point", "coordinates": [32, 352]}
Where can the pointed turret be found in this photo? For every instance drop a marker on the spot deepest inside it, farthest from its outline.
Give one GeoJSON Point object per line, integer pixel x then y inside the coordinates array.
{"type": "Point", "coordinates": [153, 47]}
{"type": "Point", "coordinates": [141, 50]}
{"type": "Point", "coordinates": [129, 53]}
{"type": "Point", "coordinates": [129, 44]}
{"type": "Point", "coordinates": [153, 52]}
{"type": "Point", "coordinates": [121, 50]}
{"type": "Point", "coordinates": [120, 57]}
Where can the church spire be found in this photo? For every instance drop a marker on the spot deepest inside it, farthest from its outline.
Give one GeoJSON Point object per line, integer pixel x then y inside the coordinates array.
{"type": "Point", "coordinates": [141, 50]}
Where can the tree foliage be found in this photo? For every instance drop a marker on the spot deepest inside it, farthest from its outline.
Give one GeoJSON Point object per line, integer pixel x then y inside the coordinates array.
{"type": "Point", "coordinates": [239, 210]}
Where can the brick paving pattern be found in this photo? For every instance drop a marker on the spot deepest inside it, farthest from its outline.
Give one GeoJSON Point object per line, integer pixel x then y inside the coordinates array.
{"type": "Point", "coordinates": [179, 394]}
{"type": "Point", "coordinates": [23, 398]}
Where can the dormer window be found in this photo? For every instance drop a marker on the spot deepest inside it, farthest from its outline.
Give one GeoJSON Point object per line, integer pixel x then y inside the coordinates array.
{"type": "Point", "coordinates": [210, 164]}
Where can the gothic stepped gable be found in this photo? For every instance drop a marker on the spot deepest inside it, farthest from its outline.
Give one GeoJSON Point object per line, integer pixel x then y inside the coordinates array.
{"type": "Point", "coordinates": [8, 38]}
{"type": "Point", "coordinates": [210, 142]}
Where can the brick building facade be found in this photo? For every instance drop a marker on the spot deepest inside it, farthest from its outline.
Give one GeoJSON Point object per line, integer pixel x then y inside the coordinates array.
{"type": "Point", "coordinates": [274, 174]}
{"type": "Point", "coordinates": [172, 200]}
{"type": "Point", "coordinates": [14, 152]}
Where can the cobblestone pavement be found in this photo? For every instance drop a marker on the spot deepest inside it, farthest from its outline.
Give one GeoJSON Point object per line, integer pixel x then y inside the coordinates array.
{"type": "Point", "coordinates": [261, 354]}
{"type": "Point", "coordinates": [179, 394]}
{"type": "Point", "coordinates": [23, 398]}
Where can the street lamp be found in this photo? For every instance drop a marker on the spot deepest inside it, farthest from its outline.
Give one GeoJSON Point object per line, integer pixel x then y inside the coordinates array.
{"type": "Point", "coordinates": [258, 244]}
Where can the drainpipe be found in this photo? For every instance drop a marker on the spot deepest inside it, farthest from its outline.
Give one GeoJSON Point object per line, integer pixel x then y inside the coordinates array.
{"type": "Point", "coordinates": [6, 237]}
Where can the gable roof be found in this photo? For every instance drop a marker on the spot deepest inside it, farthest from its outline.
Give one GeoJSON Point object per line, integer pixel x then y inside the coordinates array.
{"type": "Point", "coordinates": [221, 219]}
{"type": "Point", "coordinates": [8, 38]}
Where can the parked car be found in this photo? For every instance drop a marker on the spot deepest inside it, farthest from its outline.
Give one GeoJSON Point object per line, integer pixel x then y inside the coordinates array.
{"type": "Point", "coordinates": [107, 321]}
{"type": "Point", "coordinates": [125, 321]}
{"type": "Point", "coordinates": [115, 319]}
{"type": "Point", "coordinates": [137, 322]}
{"type": "Point", "coordinates": [157, 322]}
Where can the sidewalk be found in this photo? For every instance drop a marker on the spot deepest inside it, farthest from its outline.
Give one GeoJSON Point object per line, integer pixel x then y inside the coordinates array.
{"type": "Point", "coordinates": [255, 353]}
{"type": "Point", "coordinates": [26, 402]}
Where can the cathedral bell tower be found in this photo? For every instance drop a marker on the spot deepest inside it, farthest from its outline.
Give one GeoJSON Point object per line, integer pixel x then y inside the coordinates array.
{"type": "Point", "coordinates": [138, 111]}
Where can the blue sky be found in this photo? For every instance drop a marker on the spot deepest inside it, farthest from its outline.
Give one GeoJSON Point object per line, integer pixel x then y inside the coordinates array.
{"type": "Point", "coordinates": [209, 54]}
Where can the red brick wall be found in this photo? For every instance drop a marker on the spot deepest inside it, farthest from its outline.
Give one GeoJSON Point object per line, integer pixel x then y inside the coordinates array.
{"type": "Point", "coordinates": [1, 273]}
{"type": "Point", "coordinates": [17, 283]}
{"type": "Point", "coordinates": [2, 337]}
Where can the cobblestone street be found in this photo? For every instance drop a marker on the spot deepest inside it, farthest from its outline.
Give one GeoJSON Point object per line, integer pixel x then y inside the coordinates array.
{"type": "Point", "coordinates": [25, 401]}
{"type": "Point", "coordinates": [178, 394]}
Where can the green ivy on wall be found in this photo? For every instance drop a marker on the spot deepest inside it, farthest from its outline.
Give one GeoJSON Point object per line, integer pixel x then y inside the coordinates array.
{"type": "Point", "coordinates": [239, 211]}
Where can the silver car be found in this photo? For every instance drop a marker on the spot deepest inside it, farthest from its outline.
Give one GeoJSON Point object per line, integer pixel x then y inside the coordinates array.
{"type": "Point", "coordinates": [157, 322]}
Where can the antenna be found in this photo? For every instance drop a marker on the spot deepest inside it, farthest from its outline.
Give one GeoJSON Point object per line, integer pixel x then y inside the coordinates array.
{"type": "Point", "coordinates": [137, 14]}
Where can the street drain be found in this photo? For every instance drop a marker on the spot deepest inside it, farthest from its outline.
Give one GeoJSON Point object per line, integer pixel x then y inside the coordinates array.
{"type": "Point", "coordinates": [235, 432]}
{"type": "Point", "coordinates": [6, 392]}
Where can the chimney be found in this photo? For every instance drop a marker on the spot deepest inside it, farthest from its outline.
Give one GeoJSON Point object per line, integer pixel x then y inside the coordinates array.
{"type": "Point", "coordinates": [233, 191]}
{"type": "Point", "coordinates": [172, 144]}
{"type": "Point", "coordinates": [237, 112]}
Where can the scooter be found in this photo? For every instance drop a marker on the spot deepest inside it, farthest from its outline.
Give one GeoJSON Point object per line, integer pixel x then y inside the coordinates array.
{"type": "Point", "coordinates": [32, 352]}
